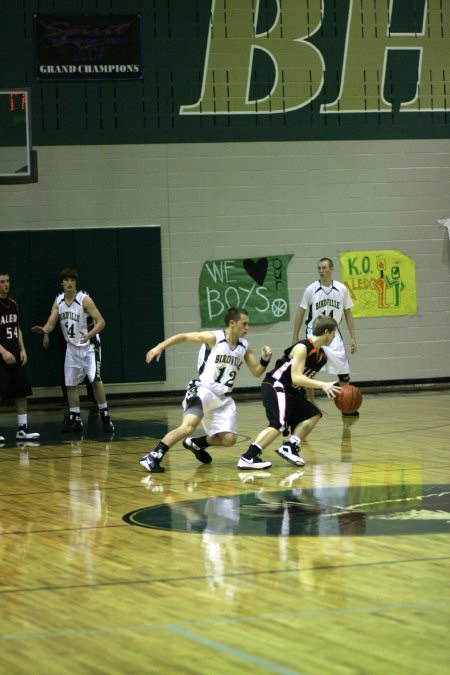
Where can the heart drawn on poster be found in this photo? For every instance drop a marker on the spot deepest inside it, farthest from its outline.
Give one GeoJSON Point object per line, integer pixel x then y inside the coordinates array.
{"type": "Point", "coordinates": [256, 270]}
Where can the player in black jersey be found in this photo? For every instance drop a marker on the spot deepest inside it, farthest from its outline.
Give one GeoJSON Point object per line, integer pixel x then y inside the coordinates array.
{"type": "Point", "coordinates": [284, 397]}
{"type": "Point", "coordinates": [14, 382]}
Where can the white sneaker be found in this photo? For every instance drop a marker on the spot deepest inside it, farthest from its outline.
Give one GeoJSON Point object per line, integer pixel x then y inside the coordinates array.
{"type": "Point", "coordinates": [253, 464]}
{"type": "Point", "coordinates": [24, 434]}
{"type": "Point", "coordinates": [290, 454]}
{"type": "Point", "coordinates": [151, 462]}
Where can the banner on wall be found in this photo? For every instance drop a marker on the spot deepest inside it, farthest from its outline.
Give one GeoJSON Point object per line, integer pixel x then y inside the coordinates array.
{"type": "Point", "coordinates": [381, 283]}
{"type": "Point", "coordinates": [258, 285]}
{"type": "Point", "coordinates": [87, 47]}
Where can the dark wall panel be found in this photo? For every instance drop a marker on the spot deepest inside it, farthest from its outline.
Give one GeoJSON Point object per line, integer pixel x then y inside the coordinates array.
{"type": "Point", "coordinates": [50, 251]}
{"type": "Point", "coordinates": [119, 267]}
{"type": "Point", "coordinates": [97, 261]}
{"type": "Point", "coordinates": [141, 313]}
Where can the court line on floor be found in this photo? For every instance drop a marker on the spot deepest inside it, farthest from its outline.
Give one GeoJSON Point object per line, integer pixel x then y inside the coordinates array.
{"type": "Point", "coordinates": [231, 651]}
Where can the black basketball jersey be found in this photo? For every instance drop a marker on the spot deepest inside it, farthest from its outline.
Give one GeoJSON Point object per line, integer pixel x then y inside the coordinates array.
{"type": "Point", "coordinates": [315, 360]}
{"type": "Point", "coordinates": [9, 326]}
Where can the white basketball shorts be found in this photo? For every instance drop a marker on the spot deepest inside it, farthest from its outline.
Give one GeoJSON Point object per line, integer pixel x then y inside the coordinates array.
{"type": "Point", "coordinates": [219, 412]}
{"type": "Point", "coordinates": [81, 362]}
{"type": "Point", "coordinates": [338, 363]}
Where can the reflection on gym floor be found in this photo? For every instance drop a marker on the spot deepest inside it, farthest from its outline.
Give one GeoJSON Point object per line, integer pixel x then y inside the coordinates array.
{"type": "Point", "coordinates": [128, 571]}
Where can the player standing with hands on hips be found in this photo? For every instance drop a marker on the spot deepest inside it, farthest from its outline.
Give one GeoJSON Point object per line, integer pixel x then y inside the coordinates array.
{"type": "Point", "coordinates": [80, 322]}
{"type": "Point", "coordinates": [208, 398]}
{"type": "Point", "coordinates": [327, 297]}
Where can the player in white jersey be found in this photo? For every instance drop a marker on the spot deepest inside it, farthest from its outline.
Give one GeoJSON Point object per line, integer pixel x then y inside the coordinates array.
{"type": "Point", "coordinates": [328, 297]}
{"type": "Point", "coordinates": [208, 398]}
{"type": "Point", "coordinates": [80, 322]}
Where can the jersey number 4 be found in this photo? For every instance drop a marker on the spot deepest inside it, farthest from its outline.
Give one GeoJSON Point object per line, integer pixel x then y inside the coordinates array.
{"type": "Point", "coordinates": [70, 330]}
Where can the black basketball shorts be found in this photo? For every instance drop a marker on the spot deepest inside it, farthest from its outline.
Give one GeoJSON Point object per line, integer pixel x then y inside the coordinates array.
{"type": "Point", "coordinates": [14, 382]}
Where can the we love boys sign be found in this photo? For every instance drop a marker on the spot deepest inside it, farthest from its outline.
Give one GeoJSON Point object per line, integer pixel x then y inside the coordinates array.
{"type": "Point", "coordinates": [258, 285]}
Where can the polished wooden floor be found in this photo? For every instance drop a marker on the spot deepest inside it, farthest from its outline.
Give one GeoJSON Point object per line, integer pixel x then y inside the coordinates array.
{"type": "Point", "coordinates": [340, 568]}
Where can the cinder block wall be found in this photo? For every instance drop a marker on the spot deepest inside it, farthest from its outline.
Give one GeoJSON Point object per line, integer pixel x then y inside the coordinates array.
{"type": "Point", "coordinates": [233, 200]}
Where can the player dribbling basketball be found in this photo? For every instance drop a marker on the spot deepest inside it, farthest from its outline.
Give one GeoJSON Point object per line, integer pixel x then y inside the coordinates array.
{"type": "Point", "coordinates": [283, 390]}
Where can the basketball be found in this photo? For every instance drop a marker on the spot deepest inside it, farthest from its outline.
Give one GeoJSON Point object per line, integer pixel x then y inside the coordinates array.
{"type": "Point", "coordinates": [349, 399]}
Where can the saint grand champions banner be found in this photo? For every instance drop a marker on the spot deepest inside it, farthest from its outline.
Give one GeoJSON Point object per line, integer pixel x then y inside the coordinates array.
{"type": "Point", "coordinates": [87, 47]}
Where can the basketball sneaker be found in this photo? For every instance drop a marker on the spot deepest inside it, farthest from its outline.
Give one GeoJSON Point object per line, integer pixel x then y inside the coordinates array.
{"type": "Point", "coordinates": [253, 463]}
{"type": "Point", "coordinates": [200, 453]}
{"type": "Point", "coordinates": [24, 434]}
{"type": "Point", "coordinates": [107, 425]}
{"type": "Point", "coordinates": [151, 461]}
{"type": "Point", "coordinates": [2, 441]}
{"type": "Point", "coordinates": [289, 452]}
{"type": "Point", "coordinates": [75, 424]}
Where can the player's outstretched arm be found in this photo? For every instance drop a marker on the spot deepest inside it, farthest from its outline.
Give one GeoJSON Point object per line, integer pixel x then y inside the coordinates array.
{"type": "Point", "coordinates": [49, 325]}
{"type": "Point", "coordinates": [204, 337]}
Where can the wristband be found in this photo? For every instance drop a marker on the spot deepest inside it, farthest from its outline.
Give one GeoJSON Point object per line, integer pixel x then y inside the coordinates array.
{"type": "Point", "coordinates": [263, 362]}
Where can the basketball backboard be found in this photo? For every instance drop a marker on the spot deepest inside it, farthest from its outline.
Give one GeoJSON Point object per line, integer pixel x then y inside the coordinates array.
{"type": "Point", "coordinates": [17, 159]}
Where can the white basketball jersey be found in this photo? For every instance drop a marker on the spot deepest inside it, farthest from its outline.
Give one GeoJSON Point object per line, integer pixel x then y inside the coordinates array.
{"type": "Point", "coordinates": [219, 366]}
{"type": "Point", "coordinates": [321, 300]}
{"type": "Point", "coordinates": [74, 321]}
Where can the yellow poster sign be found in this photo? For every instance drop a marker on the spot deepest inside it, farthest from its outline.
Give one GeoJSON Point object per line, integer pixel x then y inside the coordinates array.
{"type": "Point", "coordinates": [381, 283]}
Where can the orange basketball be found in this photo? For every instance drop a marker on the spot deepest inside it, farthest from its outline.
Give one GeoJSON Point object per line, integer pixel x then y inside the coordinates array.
{"type": "Point", "coordinates": [349, 399]}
